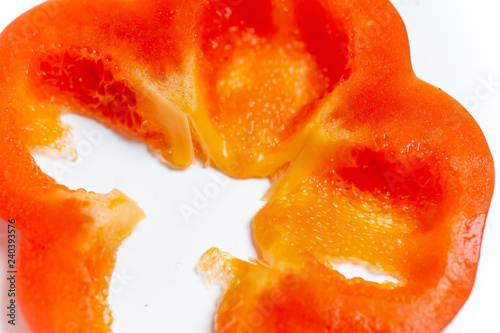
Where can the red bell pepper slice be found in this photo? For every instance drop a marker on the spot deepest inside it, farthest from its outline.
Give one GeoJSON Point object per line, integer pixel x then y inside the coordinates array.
{"type": "Point", "coordinates": [377, 172]}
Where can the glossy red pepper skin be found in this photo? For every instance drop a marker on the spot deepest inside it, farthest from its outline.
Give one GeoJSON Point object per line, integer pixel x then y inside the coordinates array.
{"type": "Point", "coordinates": [385, 169]}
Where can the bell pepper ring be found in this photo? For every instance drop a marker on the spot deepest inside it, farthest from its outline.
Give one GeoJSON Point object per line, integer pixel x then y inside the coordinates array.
{"type": "Point", "coordinates": [370, 164]}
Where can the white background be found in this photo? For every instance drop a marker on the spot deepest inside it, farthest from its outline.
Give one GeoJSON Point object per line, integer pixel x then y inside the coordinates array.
{"type": "Point", "coordinates": [455, 45]}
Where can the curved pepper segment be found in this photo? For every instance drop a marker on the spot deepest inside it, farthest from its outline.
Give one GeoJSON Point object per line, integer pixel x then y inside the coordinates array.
{"type": "Point", "coordinates": [387, 180]}
{"type": "Point", "coordinates": [265, 69]}
{"type": "Point", "coordinates": [69, 273]}
{"type": "Point", "coordinates": [395, 200]}
{"type": "Point", "coordinates": [69, 242]}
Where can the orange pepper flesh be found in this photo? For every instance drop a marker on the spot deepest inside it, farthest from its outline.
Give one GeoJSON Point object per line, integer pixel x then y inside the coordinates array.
{"type": "Point", "coordinates": [256, 55]}
{"type": "Point", "coordinates": [386, 169]}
